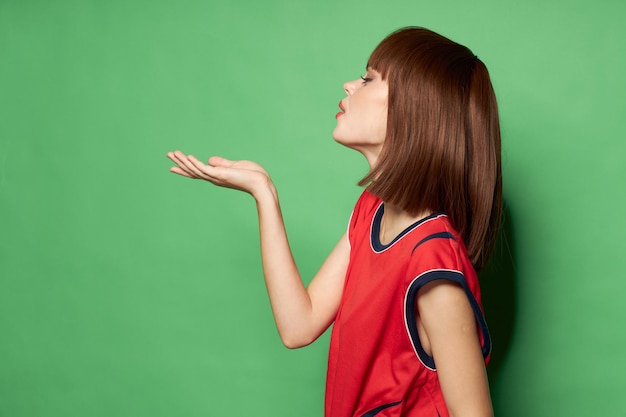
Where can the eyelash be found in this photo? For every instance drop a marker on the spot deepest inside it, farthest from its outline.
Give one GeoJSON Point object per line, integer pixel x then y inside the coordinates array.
{"type": "Point", "coordinates": [366, 80]}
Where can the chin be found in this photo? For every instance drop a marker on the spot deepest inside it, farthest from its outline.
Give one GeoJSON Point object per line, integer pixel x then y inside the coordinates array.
{"type": "Point", "coordinates": [341, 140]}
{"type": "Point", "coordinates": [337, 136]}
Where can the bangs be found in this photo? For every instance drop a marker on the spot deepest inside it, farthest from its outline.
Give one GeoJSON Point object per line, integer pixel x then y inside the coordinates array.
{"type": "Point", "coordinates": [398, 50]}
{"type": "Point", "coordinates": [382, 59]}
{"type": "Point", "coordinates": [409, 48]}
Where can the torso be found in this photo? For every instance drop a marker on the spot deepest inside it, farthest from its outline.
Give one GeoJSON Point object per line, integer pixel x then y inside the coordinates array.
{"type": "Point", "coordinates": [377, 363]}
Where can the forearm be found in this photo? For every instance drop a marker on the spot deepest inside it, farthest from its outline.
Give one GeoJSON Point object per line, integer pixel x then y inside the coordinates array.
{"type": "Point", "coordinates": [289, 298]}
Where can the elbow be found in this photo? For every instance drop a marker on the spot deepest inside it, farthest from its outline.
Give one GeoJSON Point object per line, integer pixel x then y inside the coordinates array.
{"type": "Point", "coordinates": [485, 414]}
{"type": "Point", "coordinates": [295, 341]}
{"type": "Point", "coordinates": [486, 411]}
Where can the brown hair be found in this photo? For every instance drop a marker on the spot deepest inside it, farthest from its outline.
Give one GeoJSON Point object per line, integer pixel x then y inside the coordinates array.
{"type": "Point", "coordinates": [442, 148]}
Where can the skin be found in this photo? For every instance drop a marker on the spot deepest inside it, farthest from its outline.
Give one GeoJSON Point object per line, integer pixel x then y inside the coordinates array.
{"type": "Point", "coordinates": [445, 319]}
{"type": "Point", "coordinates": [363, 124]}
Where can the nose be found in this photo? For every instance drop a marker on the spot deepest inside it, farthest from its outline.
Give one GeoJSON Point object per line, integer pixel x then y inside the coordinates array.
{"type": "Point", "coordinates": [350, 86]}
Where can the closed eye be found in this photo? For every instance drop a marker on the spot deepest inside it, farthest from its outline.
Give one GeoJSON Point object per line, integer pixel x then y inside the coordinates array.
{"type": "Point", "coordinates": [366, 80]}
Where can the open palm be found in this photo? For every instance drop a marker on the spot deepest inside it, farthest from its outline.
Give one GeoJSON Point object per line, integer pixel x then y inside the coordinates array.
{"type": "Point", "coordinates": [242, 175]}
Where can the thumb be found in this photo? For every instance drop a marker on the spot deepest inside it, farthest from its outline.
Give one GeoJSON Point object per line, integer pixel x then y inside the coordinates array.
{"type": "Point", "coordinates": [218, 161]}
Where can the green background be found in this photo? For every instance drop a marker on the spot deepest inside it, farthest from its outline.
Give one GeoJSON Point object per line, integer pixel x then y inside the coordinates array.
{"type": "Point", "coordinates": [129, 291]}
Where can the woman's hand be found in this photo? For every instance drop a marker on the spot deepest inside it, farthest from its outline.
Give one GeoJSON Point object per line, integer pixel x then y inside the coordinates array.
{"type": "Point", "coordinates": [245, 176]}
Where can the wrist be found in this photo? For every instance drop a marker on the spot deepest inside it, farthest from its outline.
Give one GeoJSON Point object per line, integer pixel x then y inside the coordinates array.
{"type": "Point", "coordinates": [265, 192]}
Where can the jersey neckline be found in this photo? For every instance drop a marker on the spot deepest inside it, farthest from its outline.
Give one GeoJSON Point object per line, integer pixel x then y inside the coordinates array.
{"type": "Point", "coordinates": [375, 242]}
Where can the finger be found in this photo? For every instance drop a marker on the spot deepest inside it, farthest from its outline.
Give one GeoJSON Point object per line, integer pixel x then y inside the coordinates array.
{"type": "Point", "coordinates": [209, 170]}
{"type": "Point", "coordinates": [219, 161]}
{"type": "Point", "coordinates": [174, 156]}
{"type": "Point", "coordinates": [205, 171]}
{"type": "Point", "coordinates": [188, 166]}
{"type": "Point", "coordinates": [218, 175]}
{"type": "Point", "coordinates": [180, 168]}
{"type": "Point", "coordinates": [177, 170]}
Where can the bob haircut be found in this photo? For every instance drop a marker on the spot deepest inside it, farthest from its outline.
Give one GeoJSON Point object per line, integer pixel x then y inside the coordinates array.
{"type": "Point", "coordinates": [442, 147]}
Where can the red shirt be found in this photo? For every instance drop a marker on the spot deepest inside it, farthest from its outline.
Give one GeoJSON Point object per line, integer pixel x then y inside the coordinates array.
{"type": "Point", "coordinates": [376, 364]}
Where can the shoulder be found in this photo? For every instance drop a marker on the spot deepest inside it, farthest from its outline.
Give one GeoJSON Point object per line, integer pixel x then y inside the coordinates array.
{"type": "Point", "coordinates": [442, 255]}
{"type": "Point", "coordinates": [366, 202]}
{"type": "Point", "coordinates": [438, 247]}
{"type": "Point", "coordinates": [364, 209]}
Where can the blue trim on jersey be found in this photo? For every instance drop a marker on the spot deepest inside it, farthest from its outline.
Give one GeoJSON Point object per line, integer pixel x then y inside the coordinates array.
{"type": "Point", "coordinates": [375, 234]}
{"type": "Point", "coordinates": [410, 310]}
{"type": "Point", "coordinates": [440, 235]}
{"type": "Point", "coordinates": [377, 410]}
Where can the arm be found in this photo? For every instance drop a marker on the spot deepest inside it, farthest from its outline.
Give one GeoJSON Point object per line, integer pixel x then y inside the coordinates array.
{"type": "Point", "coordinates": [301, 313]}
{"type": "Point", "coordinates": [450, 327]}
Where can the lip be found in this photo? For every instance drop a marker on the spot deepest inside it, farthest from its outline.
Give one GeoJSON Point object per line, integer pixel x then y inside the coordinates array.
{"type": "Point", "coordinates": [341, 113]}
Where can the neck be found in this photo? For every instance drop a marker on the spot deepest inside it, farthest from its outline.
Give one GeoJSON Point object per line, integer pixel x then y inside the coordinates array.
{"type": "Point", "coordinates": [395, 220]}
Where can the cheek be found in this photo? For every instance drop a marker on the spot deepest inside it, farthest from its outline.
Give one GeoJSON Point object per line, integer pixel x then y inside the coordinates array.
{"type": "Point", "coordinates": [381, 129]}
{"type": "Point", "coordinates": [377, 122]}
{"type": "Point", "coordinates": [383, 124]}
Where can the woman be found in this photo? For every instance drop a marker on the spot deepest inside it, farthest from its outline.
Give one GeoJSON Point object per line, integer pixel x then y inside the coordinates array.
{"type": "Point", "coordinates": [409, 337]}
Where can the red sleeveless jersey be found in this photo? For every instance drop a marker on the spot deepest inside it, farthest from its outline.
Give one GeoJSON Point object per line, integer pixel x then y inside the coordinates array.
{"type": "Point", "coordinates": [376, 363]}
